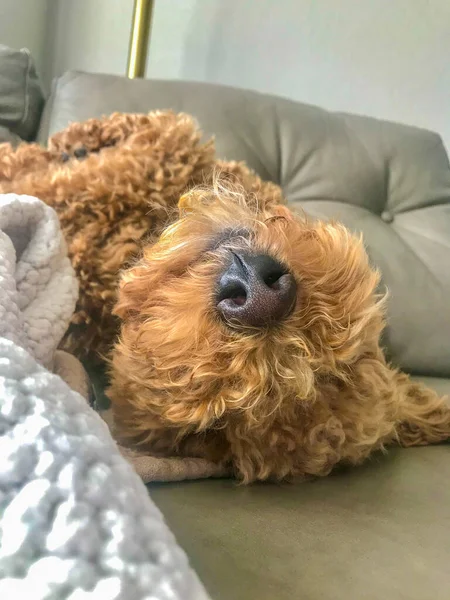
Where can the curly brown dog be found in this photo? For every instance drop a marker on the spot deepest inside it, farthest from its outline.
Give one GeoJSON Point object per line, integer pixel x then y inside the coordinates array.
{"type": "Point", "coordinates": [114, 183]}
{"type": "Point", "coordinates": [249, 336]}
{"type": "Point", "coordinates": [252, 337]}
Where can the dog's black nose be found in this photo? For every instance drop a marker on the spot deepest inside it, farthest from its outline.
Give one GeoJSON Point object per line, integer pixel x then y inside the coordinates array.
{"type": "Point", "coordinates": [255, 290]}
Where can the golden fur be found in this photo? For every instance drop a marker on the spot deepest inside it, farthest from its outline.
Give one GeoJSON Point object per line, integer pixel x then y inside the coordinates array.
{"type": "Point", "coordinates": [114, 198]}
{"type": "Point", "coordinates": [279, 402]}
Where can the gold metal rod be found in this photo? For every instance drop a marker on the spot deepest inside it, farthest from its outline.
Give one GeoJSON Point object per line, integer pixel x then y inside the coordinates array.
{"type": "Point", "coordinates": [140, 33]}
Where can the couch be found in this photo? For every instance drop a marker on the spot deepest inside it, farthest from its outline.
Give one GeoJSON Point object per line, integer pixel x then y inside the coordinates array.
{"type": "Point", "coordinates": [379, 531]}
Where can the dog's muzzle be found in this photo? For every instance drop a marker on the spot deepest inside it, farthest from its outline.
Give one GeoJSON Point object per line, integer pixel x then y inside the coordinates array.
{"type": "Point", "coordinates": [255, 290]}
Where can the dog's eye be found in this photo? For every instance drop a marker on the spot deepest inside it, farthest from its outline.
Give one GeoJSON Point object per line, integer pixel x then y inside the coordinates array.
{"type": "Point", "coordinates": [80, 152]}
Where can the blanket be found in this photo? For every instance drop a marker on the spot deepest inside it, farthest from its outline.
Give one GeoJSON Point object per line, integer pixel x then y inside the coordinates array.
{"type": "Point", "coordinates": [76, 521]}
{"type": "Point", "coordinates": [37, 283]}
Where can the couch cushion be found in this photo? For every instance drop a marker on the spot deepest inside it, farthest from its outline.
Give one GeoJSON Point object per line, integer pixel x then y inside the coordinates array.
{"type": "Point", "coordinates": [21, 96]}
{"type": "Point", "coordinates": [390, 181]}
{"type": "Point", "coordinates": [380, 531]}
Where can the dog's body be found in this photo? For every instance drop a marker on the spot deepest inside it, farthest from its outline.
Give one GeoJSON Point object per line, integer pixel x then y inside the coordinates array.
{"type": "Point", "coordinates": [248, 336]}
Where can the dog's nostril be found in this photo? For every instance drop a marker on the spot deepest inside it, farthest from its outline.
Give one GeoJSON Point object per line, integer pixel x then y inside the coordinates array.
{"type": "Point", "coordinates": [238, 296]}
{"type": "Point", "coordinates": [233, 291]}
{"type": "Point", "coordinates": [272, 280]}
{"type": "Point", "coordinates": [239, 300]}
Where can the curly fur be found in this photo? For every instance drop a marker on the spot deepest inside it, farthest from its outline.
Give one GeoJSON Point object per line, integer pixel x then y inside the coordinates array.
{"type": "Point", "coordinates": [286, 401]}
{"type": "Point", "coordinates": [281, 402]}
{"type": "Point", "coordinates": [114, 183]}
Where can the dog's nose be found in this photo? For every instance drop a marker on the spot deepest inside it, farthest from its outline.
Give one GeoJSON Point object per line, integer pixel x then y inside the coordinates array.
{"type": "Point", "coordinates": [255, 290]}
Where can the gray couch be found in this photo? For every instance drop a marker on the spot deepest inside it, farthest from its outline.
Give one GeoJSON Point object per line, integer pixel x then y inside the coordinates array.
{"type": "Point", "coordinates": [380, 531]}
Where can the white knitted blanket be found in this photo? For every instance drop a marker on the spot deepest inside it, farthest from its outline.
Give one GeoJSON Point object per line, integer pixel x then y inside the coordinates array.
{"type": "Point", "coordinates": [76, 521]}
{"type": "Point", "coordinates": [37, 283]}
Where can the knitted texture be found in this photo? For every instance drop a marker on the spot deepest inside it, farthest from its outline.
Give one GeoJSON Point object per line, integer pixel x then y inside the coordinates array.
{"type": "Point", "coordinates": [77, 521]}
{"type": "Point", "coordinates": [38, 288]}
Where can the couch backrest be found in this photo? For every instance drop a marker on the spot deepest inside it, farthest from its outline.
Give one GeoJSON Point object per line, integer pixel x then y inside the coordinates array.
{"type": "Point", "coordinates": [392, 182]}
{"type": "Point", "coordinates": [21, 96]}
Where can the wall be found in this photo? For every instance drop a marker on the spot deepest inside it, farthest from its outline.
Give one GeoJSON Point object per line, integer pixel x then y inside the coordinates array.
{"type": "Point", "coordinates": [378, 57]}
{"type": "Point", "coordinates": [91, 35]}
{"type": "Point", "coordinates": [23, 24]}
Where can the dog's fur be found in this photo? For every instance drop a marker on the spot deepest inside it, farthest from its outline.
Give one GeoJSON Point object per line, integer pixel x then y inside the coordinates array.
{"type": "Point", "coordinates": [289, 400]}
{"type": "Point", "coordinates": [114, 183]}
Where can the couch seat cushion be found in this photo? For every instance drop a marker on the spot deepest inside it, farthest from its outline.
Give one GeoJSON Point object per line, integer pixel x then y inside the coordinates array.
{"type": "Point", "coordinates": [379, 531]}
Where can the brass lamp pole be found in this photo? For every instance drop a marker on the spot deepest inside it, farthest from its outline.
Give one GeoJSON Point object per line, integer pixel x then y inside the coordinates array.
{"type": "Point", "coordinates": [140, 33]}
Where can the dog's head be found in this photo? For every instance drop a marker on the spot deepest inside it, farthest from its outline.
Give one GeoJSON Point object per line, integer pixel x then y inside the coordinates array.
{"type": "Point", "coordinates": [239, 309]}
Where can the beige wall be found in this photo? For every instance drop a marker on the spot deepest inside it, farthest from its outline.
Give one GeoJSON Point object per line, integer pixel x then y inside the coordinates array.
{"type": "Point", "coordinates": [379, 57]}
{"type": "Point", "coordinates": [23, 24]}
{"type": "Point", "coordinates": [387, 58]}
{"type": "Point", "coordinates": [91, 35]}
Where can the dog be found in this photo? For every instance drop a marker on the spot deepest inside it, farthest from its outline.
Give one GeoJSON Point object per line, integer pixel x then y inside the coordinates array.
{"type": "Point", "coordinates": [114, 183]}
{"type": "Point", "coordinates": [250, 336]}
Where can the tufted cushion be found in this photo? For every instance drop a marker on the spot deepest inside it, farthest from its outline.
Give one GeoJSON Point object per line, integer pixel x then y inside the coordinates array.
{"type": "Point", "coordinates": [21, 96]}
{"type": "Point", "coordinates": [389, 181]}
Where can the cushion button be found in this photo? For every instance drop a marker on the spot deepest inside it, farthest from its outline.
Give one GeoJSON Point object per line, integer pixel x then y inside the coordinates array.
{"type": "Point", "coordinates": [387, 216]}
